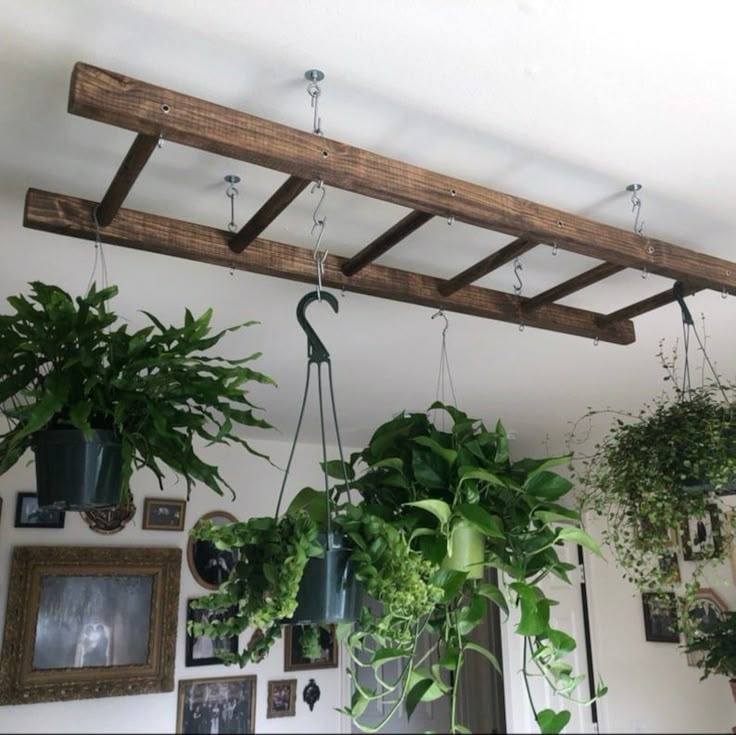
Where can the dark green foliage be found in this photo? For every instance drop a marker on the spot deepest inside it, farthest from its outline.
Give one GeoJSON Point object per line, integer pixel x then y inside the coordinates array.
{"type": "Point", "coordinates": [717, 641]}
{"type": "Point", "coordinates": [69, 363]}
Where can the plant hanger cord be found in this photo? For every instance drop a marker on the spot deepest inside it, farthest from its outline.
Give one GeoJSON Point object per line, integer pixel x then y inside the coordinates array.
{"type": "Point", "coordinates": [99, 255]}
{"type": "Point", "coordinates": [688, 325]}
{"type": "Point", "coordinates": [444, 375]}
{"type": "Point", "coordinates": [317, 355]}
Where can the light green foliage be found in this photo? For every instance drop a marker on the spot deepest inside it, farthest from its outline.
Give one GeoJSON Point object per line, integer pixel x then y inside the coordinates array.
{"type": "Point", "coordinates": [69, 363]}
{"type": "Point", "coordinates": [717, 641]}
{"type": "Point", "coordinates": [270, 558]}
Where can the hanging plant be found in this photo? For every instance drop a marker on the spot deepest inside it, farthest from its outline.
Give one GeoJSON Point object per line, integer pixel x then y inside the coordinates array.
{"type": "Point", "coordinates": [97, 402]}
{"type": "Point", "coordinates": [660, 472]}
{"type": "Point", "coordinates": [419, 486]}
{"type": "Point", "coordinates": [715, 646]}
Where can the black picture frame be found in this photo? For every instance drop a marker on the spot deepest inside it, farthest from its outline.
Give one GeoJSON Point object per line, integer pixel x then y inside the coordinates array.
{"type": "Point", "coordinates": [660, 617]}
{"type": "Point", "coordinates": [295, 661]}
{"type": "Point", "coordinates": [44, 517]}
{"type": "Point", "coordinates": [196, 646]}
{"type": "Point", "coordinates": [701, 537]}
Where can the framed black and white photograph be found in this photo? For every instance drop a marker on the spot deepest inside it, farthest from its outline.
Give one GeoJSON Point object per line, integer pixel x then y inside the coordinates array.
{"type": "Point", "coordinates": [660, 617]}
{"type": "Point", "coordinates": [88, 621]}
{"type": "Point", "coordinates": [209, 565]}
{"type": "Point", "coordinates": [281, 698]}
{"type": "Point", "coordinates": [708, 607]}
{"type": "Point", "coordinates": [298, 657]}
{"type": "Point", "coordinates": [29, 515]}
{"type": "Point", "coordinates": [701, 538]}
{"type": "Point", "coordinates": [222, 705]}
{"type": "Point", "coordinates": [201, 650]}
{"type": "Point", "coordinates": [164, 514]}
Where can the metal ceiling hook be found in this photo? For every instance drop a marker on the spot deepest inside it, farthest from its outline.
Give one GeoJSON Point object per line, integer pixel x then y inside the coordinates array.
{"type": "Point", "coordinates": [316, 350]}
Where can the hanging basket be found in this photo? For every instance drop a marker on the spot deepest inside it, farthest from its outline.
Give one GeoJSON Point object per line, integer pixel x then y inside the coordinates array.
{"type": "Point", "coordinates": [329, 592]}
{"type": "Point", "coordinates": [74, 472]}
{"type": "Point", "coordinates": [467, 547]}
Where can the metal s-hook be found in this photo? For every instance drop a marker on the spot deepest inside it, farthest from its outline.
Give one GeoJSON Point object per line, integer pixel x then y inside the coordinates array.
{"type": "Point", "coordinates": [316, 351]}
{"type": "Point", "coordinates": [318, 227]}
{"type": "Point", "coordinates": [441, 313]}
{"type": "Point", "coordinates": [517, 268]}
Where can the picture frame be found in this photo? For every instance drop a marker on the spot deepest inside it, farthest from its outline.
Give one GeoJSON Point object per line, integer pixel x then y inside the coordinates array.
{"type": "Point", "coordinates": [669, 565]}
{"type": "Point", "coordinates": [200, 650]}
{"type": "Point", "coordinates": [281, 698]}
{"type": "Point", "coordinates": [86, 621]}
{"type": "Point", "coordinates": [229, 699]}
{"type": "Point", "coordinates": [707, 607]}
{"type": "Point", "coordinates": [701, 538]}
{"type": "Point", "coordinates": [29, 515]}
{"type": "Point", "coordinates": [660, 617]}
{"type": "Point", "coordinates": [294, 660]}
{"type": "Point", "coordinates": [209, 565]}
{"type": "Point", "coordinates": [108, 521]}
{"type": "Point", "coordinates": [164, 514]}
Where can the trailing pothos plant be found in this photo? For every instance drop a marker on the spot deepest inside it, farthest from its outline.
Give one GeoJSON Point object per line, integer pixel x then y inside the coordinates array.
{"type": "Point", "coordinates": [657, 470]}
{"type": "Point", "coordinates": [70, 363]}
{"type": "Point", "coordinates": [426, 483]}
{"type": "Point", "coordinates": [419, 485]}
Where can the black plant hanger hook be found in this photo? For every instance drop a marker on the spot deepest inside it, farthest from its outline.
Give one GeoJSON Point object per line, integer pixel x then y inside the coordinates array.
{"type": "Point", "coordinates": [316, 350]}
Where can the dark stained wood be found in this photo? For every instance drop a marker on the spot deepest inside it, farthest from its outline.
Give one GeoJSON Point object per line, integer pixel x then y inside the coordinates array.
{"type": "Point", "coordinates": [649, 304]}
{"type": "Point", "coordinates": [485, 266]}
{"type": "Point", "coordinates": [133, 163]}
{"type": "Point", "coordinates": [148, 109]}
{"type": "Point", "coordinates": [279, 201]}
{"type": "Point", "coordinates": [604, 270]}
{"type": "Point", "coordinates": [71, 216]}
{"type": "Point", "coordinates": [383, 243]}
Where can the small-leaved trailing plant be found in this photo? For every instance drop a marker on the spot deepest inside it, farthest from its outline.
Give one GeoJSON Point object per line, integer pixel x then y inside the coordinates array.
{"type": "Point", "coordinates": [717, 642]}
{"type": "Point", "coordinates": [70, 363]}
{"type": "Point", "coordinates": [419, 484]}
{"type": "Point", "coordinates": [658, 469]}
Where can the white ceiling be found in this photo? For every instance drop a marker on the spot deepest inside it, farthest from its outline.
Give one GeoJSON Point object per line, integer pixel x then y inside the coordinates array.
{"type": "Point", "coordinates": [562, 102]}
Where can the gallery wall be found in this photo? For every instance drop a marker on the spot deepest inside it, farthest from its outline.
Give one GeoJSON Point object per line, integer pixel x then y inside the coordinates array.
{"type": "Point", "coordinates": [256, 484]}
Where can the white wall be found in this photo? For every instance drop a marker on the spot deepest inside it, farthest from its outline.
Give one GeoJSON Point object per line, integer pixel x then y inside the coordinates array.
{"type": "Point", "coordinates": [256, 484]}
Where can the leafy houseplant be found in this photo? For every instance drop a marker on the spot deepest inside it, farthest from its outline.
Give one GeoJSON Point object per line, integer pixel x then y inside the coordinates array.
{"type": "Point", "coordinates": [717, 641]}
{"type": "Point", "coordinates": [657, 470]}
{"type": "Point", "coordinates": [419, 485]}
{"type": "Point", "coordinates": [96, 402]}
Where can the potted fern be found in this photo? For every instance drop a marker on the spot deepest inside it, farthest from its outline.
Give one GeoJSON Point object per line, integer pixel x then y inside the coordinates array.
{"type": "Point", "coordinates": [95, 402]}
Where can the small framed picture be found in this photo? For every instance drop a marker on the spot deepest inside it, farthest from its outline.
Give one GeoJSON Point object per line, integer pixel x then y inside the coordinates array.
{"type": "Point", "coordinates": [164, 514]}
{"type": "Point", "coordinates": [660, 617]}
{"type": "Point", "coordinates": [223, 705]}
{"type": "Point", "coordinates": [707, 608]}
{"type": "Point", "coordinates": [701, 538]}
{"type": "Point", "coordinates": [670, 568]}
{"type": "Point", "coordinates": [29, 515]}
{"type": "Point", "coordinates": [201, 649]}
{"type": "Point", "coordinates": [281, 698]}
{"type": "Point", "coordinates": [324, 655]}
{"type": "Point", "coordinates": [209, 565]}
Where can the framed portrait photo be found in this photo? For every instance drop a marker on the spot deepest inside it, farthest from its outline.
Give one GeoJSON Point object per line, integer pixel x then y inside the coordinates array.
{"type": "Point", "coordinates": [201, 650]}
{"type": "Point", "coordinates": [223, 705]}
{"type": "Point", "coordinates": [89, 621]}
{"type": "Point", "coordinates": [281, 698]}
{"type": "Point", "coordinates": [324, 655]}
{"type": "Point", "coordinates": [209, 565]}
{"type": "Point", "coordinates": [707, 608]}
{"type": "Point", "coordinates": [701, 538]}
{"type": "Point", "coordinates": [29, 515]}
{"type": "Point", "coordinates": [660, 617]}
{"type": "Point", "coordinates": [164, 514]}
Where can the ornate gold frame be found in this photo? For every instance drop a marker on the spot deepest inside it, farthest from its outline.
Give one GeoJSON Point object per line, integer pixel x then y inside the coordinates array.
{"type": "Point", "coordinates": [292, 684]}
{"type": "Point", "coordinates": [20, 683]}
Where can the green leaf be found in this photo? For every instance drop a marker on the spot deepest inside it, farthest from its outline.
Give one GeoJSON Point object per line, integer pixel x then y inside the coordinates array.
{"type": "Point", "coordinates": [392, 463]}
{"type": "Point", "coordinates": [475, 473]}
{"type": "Point", "coordinates": [484, 652]}
{"type": "Point", "coordinates": [338, 470]}
{"type": "Point", "coordinates": [416, 695]}
{"type": "Point", "coordinates": [547, 485]}
{"type": "Point", "coordinates": [469, 617]}
{"type": "Point", "coordinates": [449, 455]}
{"type": "Point", "coordinates": [487, 524]}
{"type": "Point", "coordinates": [358, 704]}
{"type": "Point", "coordinates": [493, 593]}
{"type": "Point", "coordinates": [438, 508]}
{"type": "Point", "coordinates": [450, 580]}
{"type": "Point", "coordinates": [312, 502]}
{"type": "Point", "coordinates": [551, 722]}
{"type": "Point", "coordinates": [578, 536]}
{"type": "Point", "coordinates": [430, 470]}
{"type": "Point", "coordinates": [502, 445]}
{"type": "Point", "coordinates": [562, 642]}
{"type": "Point", "coordinates": [532, 467]}
{"type": "Point", "coordinates": [382, 655]}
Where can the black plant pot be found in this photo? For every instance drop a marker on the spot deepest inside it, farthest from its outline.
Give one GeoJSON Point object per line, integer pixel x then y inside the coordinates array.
{"type": "Point", "coordinates": [74, 472]}
{"type": "Point", "coordinates": [699, 486]}
{"type": "Point", "coordinates": [329, 591]}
